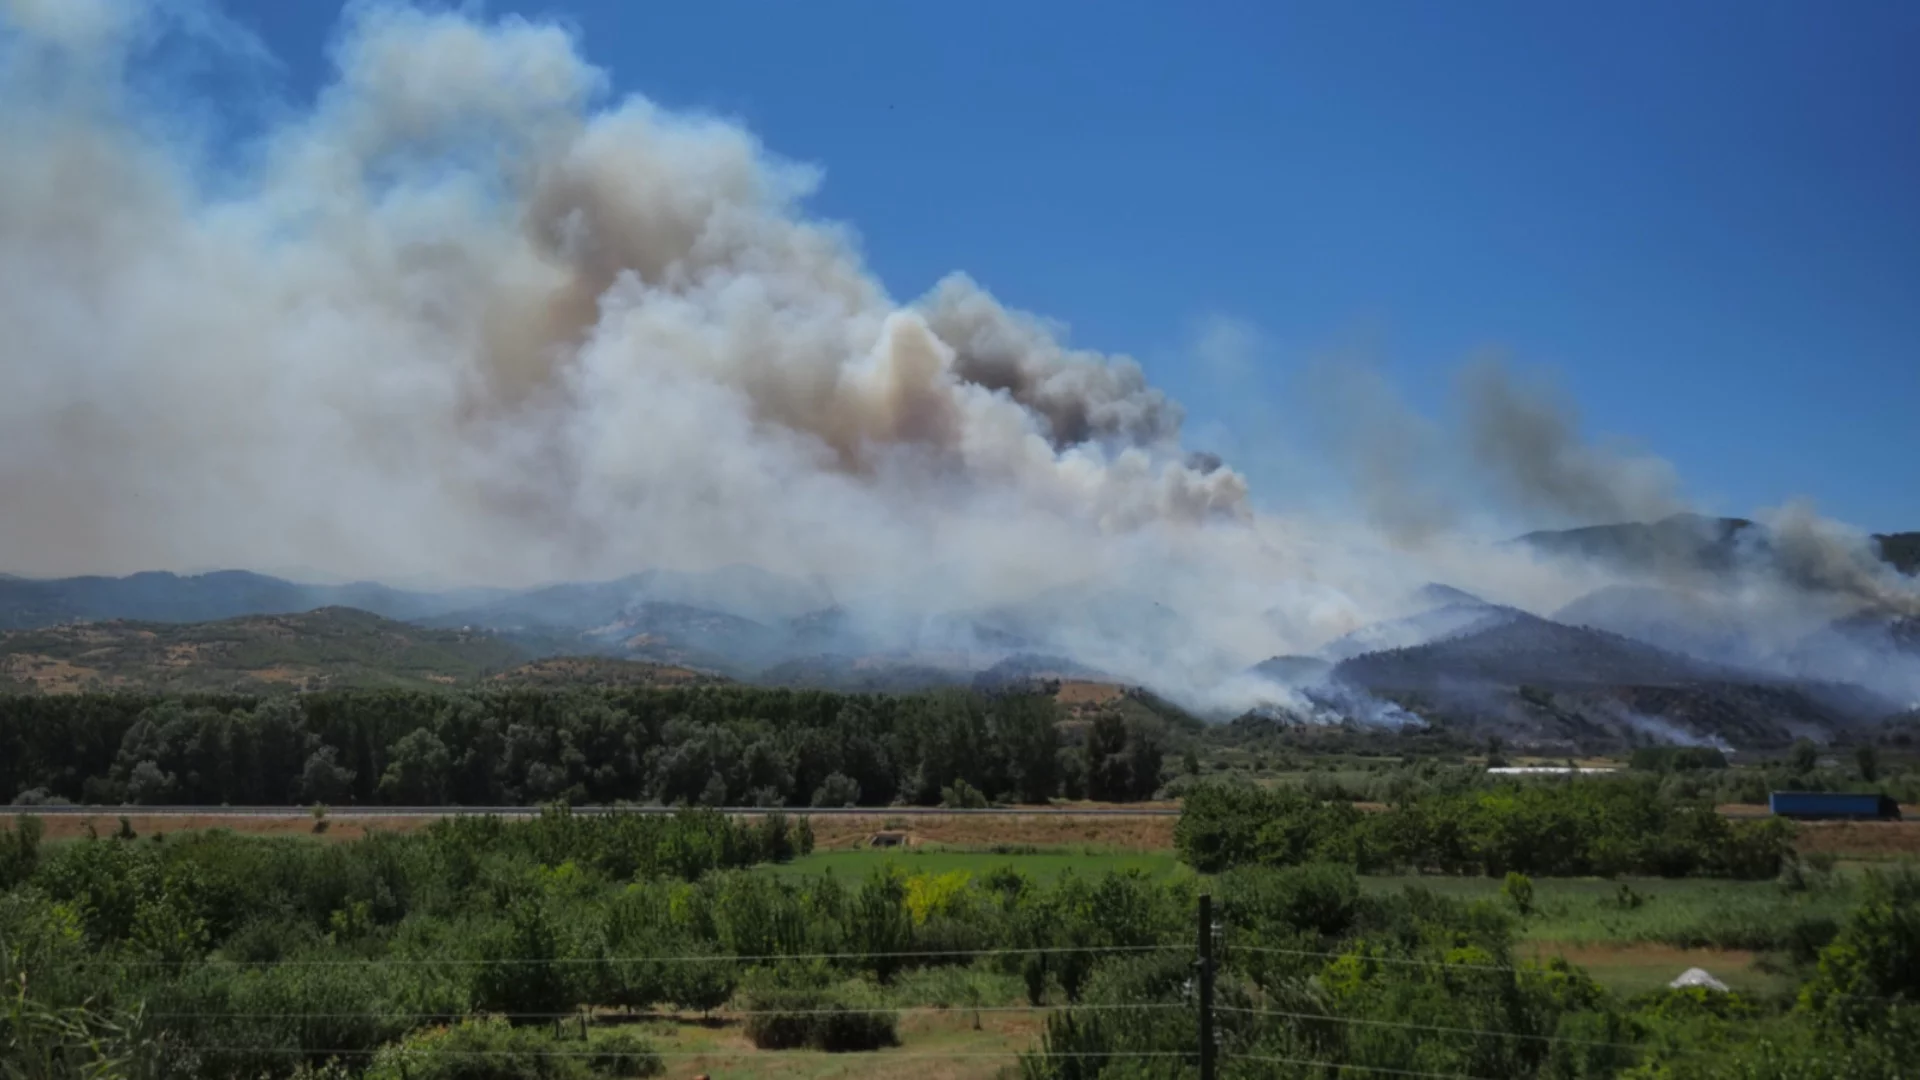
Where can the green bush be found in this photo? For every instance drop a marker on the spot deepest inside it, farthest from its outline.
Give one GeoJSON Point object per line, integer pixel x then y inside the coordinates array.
{"type": "Point", "coordinates": [787, 1009]}
{"type": "Point", "coordinates": [623, 1054]}
{"type": "Point", "coordinates": [20, 850]}
{"type": "Point", "coordinates": [1518, 891]}
{"type": "Point", "coordinates": [481, 1050]}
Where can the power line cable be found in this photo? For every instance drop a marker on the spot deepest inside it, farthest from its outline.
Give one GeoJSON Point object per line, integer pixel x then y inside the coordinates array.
{"type": "Point", "coordinates": [1504, 969]}
{"type": "Point", "coordinates": [716, 1052]}
{"type": "Point", "coordinates": [564, 961]}
{"type": "Point", "coordinates": [1310, 1063]}
{"type": "Point", "coordinates": [725, 1013]}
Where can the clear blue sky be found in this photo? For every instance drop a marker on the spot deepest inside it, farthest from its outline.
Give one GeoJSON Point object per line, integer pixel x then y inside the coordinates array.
{"type": "Point", "coordinates": [1704, 217]}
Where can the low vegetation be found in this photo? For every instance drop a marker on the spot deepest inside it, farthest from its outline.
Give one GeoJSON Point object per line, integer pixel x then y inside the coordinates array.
{"type": "Point", "coordinates": [555, 947]}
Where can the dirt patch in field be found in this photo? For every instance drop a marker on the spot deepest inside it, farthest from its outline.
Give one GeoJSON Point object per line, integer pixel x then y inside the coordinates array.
{"type": "Point", "coordinates": [1127, 834]}
{"type": "Point", "coordinates": [1860, 839]}
{"type": "Point", "coordinates": [1640, 967]}
{"type": "Point", "coordinates": [1088, 693]}
{"type": "Point", "coordinates": [934, 1046]}
{"type": "Point", "coordinates": [74, 826]}
{"type": "Point", "coordinates": [51, 674]}
{"type": "Point", "coordinates": [181, 655]}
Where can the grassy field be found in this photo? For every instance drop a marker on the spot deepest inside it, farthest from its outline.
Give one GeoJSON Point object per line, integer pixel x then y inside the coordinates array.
{"type": "Point", "coordinates": [954, 1024]}
{"type": "Point", "coordinates": [1683, 911]}
{"type": "Point", "coordinates": [941, 1045]}
{"type": "Point", "coordinates": [1041, 864]}
{"type": "Point", "coordinates": [1637, 934]}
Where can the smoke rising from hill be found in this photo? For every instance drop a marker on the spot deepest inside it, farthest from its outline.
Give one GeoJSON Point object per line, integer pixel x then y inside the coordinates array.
{"type": "Point", "coordinates": [470, 317]}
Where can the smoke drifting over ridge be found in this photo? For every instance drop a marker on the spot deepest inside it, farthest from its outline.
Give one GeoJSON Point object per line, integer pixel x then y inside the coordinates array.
{"type": "Point", "coordinates": [468, 317]}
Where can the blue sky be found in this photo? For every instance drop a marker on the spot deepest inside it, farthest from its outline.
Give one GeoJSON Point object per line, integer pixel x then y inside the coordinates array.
{"type": "Point", "coordinates": [1703, 219]}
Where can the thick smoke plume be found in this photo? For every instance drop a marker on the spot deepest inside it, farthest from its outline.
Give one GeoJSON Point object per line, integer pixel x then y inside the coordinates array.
{"type": "Point", "coordinates": [469, 317]}
{"type": "Point", "coordinates": [458, 319]}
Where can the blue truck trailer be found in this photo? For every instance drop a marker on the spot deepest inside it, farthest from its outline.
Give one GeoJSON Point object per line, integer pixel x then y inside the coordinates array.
{"type": "Point", "coordinates": [1816, 805]}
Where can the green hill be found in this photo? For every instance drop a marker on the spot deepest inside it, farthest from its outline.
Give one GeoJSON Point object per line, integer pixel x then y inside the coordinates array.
{"type": "Point", "coordinates": [565, 671]}
{"type": "Point", "coordinates": [329, 648]}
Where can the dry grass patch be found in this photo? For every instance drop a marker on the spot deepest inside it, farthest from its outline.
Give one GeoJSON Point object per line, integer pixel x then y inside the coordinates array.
{"type": "Point", "coordinates": [74, 826]}
{"type": "Point", "coordinates": [982, 830]}
{"type": "Point", "coordinates": [1860, 839]}
{"type": "Point", "coordinates": [49, 674]}
{"type": "Point", "coordinates": [1638, 966]}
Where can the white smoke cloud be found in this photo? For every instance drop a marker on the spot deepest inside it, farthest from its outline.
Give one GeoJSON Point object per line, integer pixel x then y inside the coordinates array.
{"type": "Point", "coordinates": [470, 318]}
{"type": "Point", "coordinates": [462, 316]}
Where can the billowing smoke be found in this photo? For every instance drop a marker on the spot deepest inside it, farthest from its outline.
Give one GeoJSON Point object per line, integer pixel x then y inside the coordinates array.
{"type": "Point", "coordinates": [460, 319]}
{"type": "Point", "coordinates": [1528, 442]}
{"type": "Point", "coordinates": [1824, 556]}
{"type": "Point", "coordinates": [469, 318]}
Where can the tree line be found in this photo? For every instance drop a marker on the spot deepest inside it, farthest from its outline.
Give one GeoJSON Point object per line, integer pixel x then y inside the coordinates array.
{"type": "Point", "coordinates": [1568, 828]}
{"type": "Point", "coordinates": [706, 746]}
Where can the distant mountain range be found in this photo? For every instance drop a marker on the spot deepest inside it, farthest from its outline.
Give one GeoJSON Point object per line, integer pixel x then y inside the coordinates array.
{"type": "Point", "coordinates": [1686, 671]}
{"type": "Point", "coordinates": [1625, 663]}
{"type": "Point", "coordinates": [327, 648]}
{"type": "Point", "coordinates": [1693, 541]}
{"type": "Point", "coordinates": [27, 603]}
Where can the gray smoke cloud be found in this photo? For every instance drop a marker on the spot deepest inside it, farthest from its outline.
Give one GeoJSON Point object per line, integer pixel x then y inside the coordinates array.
{"type": "Point", "coordinates": [1387, 451]}
{"type": "Point", "coordinates": [1528, 440]}
{"type": "Point", "coordinates": [1823, 555]}
{"type": "Point", "coordinates": [470, 318]}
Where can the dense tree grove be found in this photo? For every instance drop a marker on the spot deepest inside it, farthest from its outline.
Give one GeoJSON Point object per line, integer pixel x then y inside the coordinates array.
{"type": "Point", "coordinates": [709, 746]}
{"type": "Point", "coordinates": [216, 955]}
{"type": "Point", "coordinates": [1569, 828]}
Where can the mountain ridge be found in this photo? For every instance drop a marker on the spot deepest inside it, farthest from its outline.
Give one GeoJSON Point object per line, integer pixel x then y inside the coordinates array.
{"type": "Point", "coordinates": [311, 650]}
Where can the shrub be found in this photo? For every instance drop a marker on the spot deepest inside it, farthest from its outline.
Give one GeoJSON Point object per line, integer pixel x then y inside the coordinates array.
{"type": "Point", "coordinates": [783, 1016]}
{"type": "Point", "coordinates": [625, 1055]}
{"type": "Point", "coordinates": [479, 1050]}
{"type": "Point", "coordinates": [838, 789]}
{"type": "Point", "coordinates": [963, 796]}
{"type": "Point", "coordinates": [1518, 890]}
{"type": "Point", "coordinates": [19, 850]}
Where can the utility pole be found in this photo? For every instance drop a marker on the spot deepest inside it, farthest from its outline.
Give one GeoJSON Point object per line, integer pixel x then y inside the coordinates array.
{"type": "Point", "coordinates": [1206, 986]}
